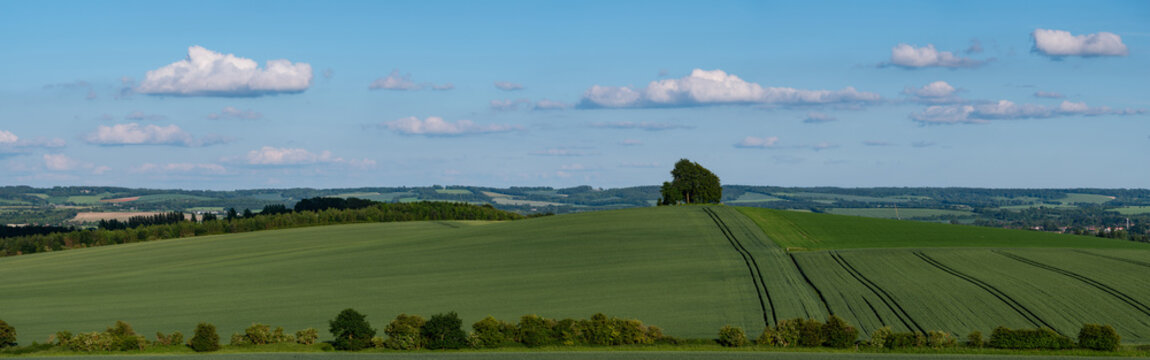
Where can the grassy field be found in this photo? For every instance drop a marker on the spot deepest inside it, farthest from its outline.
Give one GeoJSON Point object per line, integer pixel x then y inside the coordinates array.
{"type": "Point", "coordinates": [687, 269]}
{"type": "Point", "coordinates": [453, 191]}
{"type": "Point", "coordinates": [670, 267]}
{"type": "Point", "coordinates": [822, 231]}
{"type": "Point", "coordinates": [890, 213]}
{"type": "Point", "coordinates": [753, 197]}
{"type": "Point", "coordinates": [834, 197]}
{"type": "Point", "coordinates": [1133, 210]}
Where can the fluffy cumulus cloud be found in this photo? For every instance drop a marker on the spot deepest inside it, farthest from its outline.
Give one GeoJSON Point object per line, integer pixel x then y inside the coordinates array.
{"type": "Point", "coordinates": [181, 168]}
{"type": "Point", "coordinates": [1059, 43]}
{"type": "Point", "coordinates": [645, 125]}
{"type": "Point", "coordinates": [938, 92]}
{"type": "Point", "coordinates": [403, 82]}
{"type": "Point", "coordinates": [209, 73]}
{"type": "Point", "coordinates": [508, 86]}
{"type": "Point", "coordinates": [714, 87]}
{"type": "Point", "coordinates": [7, 137]}
{"type": "Point", "coordinates": [136, 134]}
{"type": "Point", "coordinates": [436, 126]}
{"type": "Point", "coordinates": [758, 142]}
{"type": "Point", "coordinates": [230, 112]}
{"type": "Point", "coordinates": [815, 117]}
{"type": "Point", "coordinates": [1006, 110]}
{"type": "Point", "coordinates": [911, 57]}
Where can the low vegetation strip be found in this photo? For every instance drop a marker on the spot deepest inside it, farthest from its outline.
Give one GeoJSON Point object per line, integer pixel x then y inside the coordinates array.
{"type": "Point", "coordinates": [1006, 299]}
{"type": "Point", "coordinates": [752, 266]}
{"type": "Point", "coordinates": [1138, 305]}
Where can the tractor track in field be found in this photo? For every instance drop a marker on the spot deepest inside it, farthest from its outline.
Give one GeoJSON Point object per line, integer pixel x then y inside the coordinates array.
{"type": "Point", "coordinates": [1133, 302]}
{"type": "Point", "coordinates": [752, 266]}
{"type": "Point", "coordinates": [811, 284]}
{"type": "Point", "coordinates": [886, 298]}
{"type": "Point", "coordinates": [1006, 299]}
{"type": "Point", "coordinates": [1115, 258]}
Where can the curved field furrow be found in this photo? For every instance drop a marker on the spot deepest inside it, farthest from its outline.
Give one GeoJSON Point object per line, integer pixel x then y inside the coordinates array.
{"type": "Point", "coordinates": [1006, 299]}
{"type": "Point", "coordinates": [887, 300]}
{"type": "Point", "coordinates": [1129, 261]}
{"type": "Point", "coordinates": [1135, 303]}
{"type": "Point", "coordinates": [752, 266]}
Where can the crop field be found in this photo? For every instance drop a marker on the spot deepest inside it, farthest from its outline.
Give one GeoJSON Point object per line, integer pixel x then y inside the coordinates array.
{"type": "Point", "coordinates": [171, 197]}
{"type": "Point", "coordinates": [453, 191]}
{"type": "Point", "coordinates": [753, 197]}
{"type": "Point", "coordinates": [891, 213]}
{"type": "Point", "coordinates": [833, 197]}
{"type": "Point", "coordinates": [1133, 210]}
{"type": "Point", "coordinates": [687, 269]}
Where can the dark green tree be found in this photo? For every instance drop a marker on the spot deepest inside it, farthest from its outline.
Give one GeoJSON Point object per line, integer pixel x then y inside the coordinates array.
{"type": "Point", "coordinates": [7, 335]}
{"type": "Point", "coordinates": [248, 214]}
{"type": "Point", "coordinates": [351, 330]}
{"type": "Point", "coordinates": [232, 214]}
{"type": "Point", "coordinates": [444, 331]}
{"type": "Point", "coordinates": [691, 184]}
{"type": "Point", "coordinates": [205, 339]}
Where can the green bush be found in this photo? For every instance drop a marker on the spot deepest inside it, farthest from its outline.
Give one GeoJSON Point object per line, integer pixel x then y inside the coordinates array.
{"type": "Point", "coordinates": [351, 331]}
{"type": "Point", "coordinates": [1099, 337]}
{"type": "Point", "coordinates": [176, 338]}
{"type": "Point", "coordinates": [488, 333]}
{"type": "Point", "coordinates": [1042, 338]}
{"type": "Point", "coordinates": [444, 331]}
{"type": "Point", "coordinates": [257, 334]}
{"type": "Point", "coordinates": [900, 340]}
{"type": "Point", "coordinates": [7, 335]}
{"type": "Point", "coordinates": [598, 330]}
{"type": "Point", "coordinates": [91, 342]}
{"type": "Point", "coordinates": [881, 337]}
{"type": "Point", "coordinates": [306, 336]}
{"type": "Point", "coordinates": [837, 333]}
{"type": "Point", "coordinates": [124, 338]}
{"type": "Point", "coordinates": [785, 333]}
{"type": "Point", "coordinates": [62, 338]}
{"type": "Point", "coordinates": [974, 339]}
{"type": "Point", "coordinates": [403, 333]}
{"type": "Point", "coordinates": [732, 336]}
{"type": "Point", "coordinates": [535, 331]}
{"type": "Point", "coordinates": [940, 339]}
{"type": "Point", "coordinates": [568, 332]}
{"type": "Point", "coordinates": [205, 338]}
{"type": "Point", "coordinates": [811, 333]}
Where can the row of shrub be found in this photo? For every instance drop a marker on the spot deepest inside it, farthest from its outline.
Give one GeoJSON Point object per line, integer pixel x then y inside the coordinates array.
{"type": "Point", "coordinates": [352, 331]}
{"type": "Point", "coordinates": [445, 331]}
{"type": "Point", "coordinates": [837, 333]}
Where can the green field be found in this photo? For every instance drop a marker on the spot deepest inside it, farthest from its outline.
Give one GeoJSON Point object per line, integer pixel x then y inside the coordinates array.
{"type": "Point", "coordinates": [453, 191]}
{"type": "Point", "coordinates": [753, 197]}
{"type": "Point", "coordinates": [1072, 198]}
{"type": "Point", "coordinates": [891, 213]}
{"type": "Point", "coordinates": [831, 198]}
{"type": "Point", "coordinates": [1133, 210]}
{"type": "Point", "coordinates": [171, 197]}
{"type": "Point", "coordinates": [687, 269]}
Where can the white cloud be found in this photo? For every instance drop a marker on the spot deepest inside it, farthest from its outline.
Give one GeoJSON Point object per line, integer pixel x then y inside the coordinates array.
{"type": "Point", "coordinates": [1058, 43]}
{"type": "Point", "coordinates": [180, 168]}
{"type": "Point", "coordinates": [508, 104]}
{"type": "Point", "coordinates": [268, 155]}
{"type": "Point", "coordinates": [815, 117]}
{"type": "Point", "coordinates": [139, 116]}
{"type": "Point", "coordinates": [208, 73]}
{"type": "Point", "coordinates": [230, 112]}
{"type": "Point", "coordinates": [135, 134]}
{"type": "Point", "coordinates": [1048, 95]}
{"type": "Point", "coordinates": [508, 86]}
{"type": "Point", "coordinates": [757, 142]}
{"type": "Point", "coordinates": [938, 92]}
{"type": "Point", "coordinates": [436, 126]}
{"type": "Point", "coordinates": [908, 56]}
{"type": "Point", "coordinates": [403, 82]}
{"type": "Point", "coordinates": [714, 87]}
{"type": "Point", "coordinates": [546, 104]}
{"type": "Point", "coordinates": [7, 137]}
{"type": "Point", "coordinates": [645, 125]}
{"type": "Point", "coordinates": [1004, 109]}
{"type": "Point", "coordinates": [59, 162]}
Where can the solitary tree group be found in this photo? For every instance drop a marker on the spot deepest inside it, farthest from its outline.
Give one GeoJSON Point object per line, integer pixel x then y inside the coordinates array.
{"type": "Point", "coordinates": [691, 184]}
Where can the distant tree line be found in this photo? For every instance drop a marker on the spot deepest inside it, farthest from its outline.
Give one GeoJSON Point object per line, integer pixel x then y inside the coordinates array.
{"type": "Point", "coordinates": [142, 220]}
{"type": "Point", "coordinates": [378, 212]}
{"type": "Point", "coordinates": [16, 231]}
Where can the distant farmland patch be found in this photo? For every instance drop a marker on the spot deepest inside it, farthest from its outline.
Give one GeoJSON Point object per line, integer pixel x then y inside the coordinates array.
{"type": "Point", "coordinates": [514, 202]}
{"type": "Point", "coordinates": [172, 197]}
{"type": "Point", "coordinates": [753, 197]}
{"type": "Point", "coordinates": [834, 197]}
{"type": "Point", "coordinates": [1072, 198]}
{"type": "Point", "coordinates": [120, 200]}
{"type": "Point", "coordinates": [1133, 210]}
{"type": "Point", "coordinates": [890, 213]}
{"type": "Point", "coordinates": [453, 191]}
{"type": "Point", "coordinates": [91, 216]}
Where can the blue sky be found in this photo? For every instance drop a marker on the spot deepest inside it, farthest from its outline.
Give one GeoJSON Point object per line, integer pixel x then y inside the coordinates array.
{"type": "Point", "coordinates": [228, 95]}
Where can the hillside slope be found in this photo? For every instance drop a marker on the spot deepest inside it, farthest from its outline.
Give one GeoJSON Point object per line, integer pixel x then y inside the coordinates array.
{"type": "Point", "coordinates": [671, 267]}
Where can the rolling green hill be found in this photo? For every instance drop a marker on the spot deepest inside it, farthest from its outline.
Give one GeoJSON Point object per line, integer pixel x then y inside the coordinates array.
{"type": "Point", "coordinates": [687, 269]}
